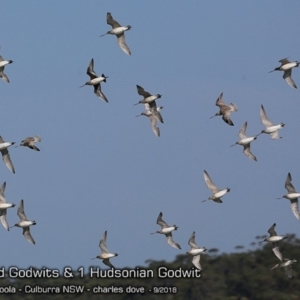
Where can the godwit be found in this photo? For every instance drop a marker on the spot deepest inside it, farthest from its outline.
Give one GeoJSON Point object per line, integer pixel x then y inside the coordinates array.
{"type": "Point", "coordinates": [3, 206]}
{"type": "Point", "coordinates": [95, 81]}
{"type": "Point", "coordinates": [271, 129]}
{"type": "Point", "coordinates": [274, 238]}
{"type": "Point", "coordinates": [3, 63]}
{"type": "Point", "coordinates": [118, 30]}
{"type": "Point", "coordinates": [225, 110]}
{"type": "Point", "coordinates": [29, 142]}
{"type": "Point", "coordinates": [217, 193]}
{"type": "Point", "coordinates": [245, 142]}
{"type": "Point", "coordinates": [292, 195]}
{"type": "Point", "coordinates": [105, 254]}
{"type": "Point", "coordinates": [24, 223]}
{"type": "Point", "coordinates": [167, 231]}
{"type": "Point", "coordinates": [5, 154]}
{"type": "Point", "coordinates": [287, 67]}
{"type": "Point", "coordinates": [195, 251]}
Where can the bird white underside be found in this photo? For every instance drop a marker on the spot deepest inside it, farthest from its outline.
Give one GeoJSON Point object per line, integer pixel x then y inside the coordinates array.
{"type": "Point", "coordinates": [272, 128]}
{"type": "Point", "coordinates": [25, 223]}
{"type": "Point", "coordinates": [292, 196]}
{"type": "Point", "coordinates": [196, 251]}
{"type": "Point", "coordinates": [275, 238]}
{"type": "Point", "coordinates": [220, 194]}
{"type": "Point", "coordinates": [119, 30]}
{"type": "Point", "coordinates": [246, 140]}
{"type": "Point", "coordinates": [4, 63]}
{"type": "Point", "coordinates": [288, 66]}
{"type": "Point", "coordinates": [107, 255]}
{"type": "Point", "coordinates": [4, 145]}
{"type": "Point", "coordinates": [151, 98]}
{"type": "Point", "coordinates": [167, 230]}
{"type": "Point", "coordinates": [96, 80]}
{"type": "Point", "coordinates": [5, 205]}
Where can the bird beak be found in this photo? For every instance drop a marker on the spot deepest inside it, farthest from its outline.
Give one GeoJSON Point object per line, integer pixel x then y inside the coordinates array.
{"type": "Point", "coordinates": [233, 145]}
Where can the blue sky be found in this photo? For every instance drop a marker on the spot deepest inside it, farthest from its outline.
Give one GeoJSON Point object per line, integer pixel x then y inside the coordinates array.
{"type": "Point", "coordinates": [100, 168]}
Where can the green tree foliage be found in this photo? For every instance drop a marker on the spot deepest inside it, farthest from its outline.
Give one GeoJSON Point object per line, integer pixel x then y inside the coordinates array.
{"type": "Point", "coordinates": [236, 276]}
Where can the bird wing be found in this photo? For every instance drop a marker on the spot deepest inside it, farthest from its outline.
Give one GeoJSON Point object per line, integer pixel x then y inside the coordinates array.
{"type": "Point", "coordinates": [2, 196]}
{"type": "Point", "coordinates": [110, 21]}
{"type": "Point", "coordinates": [3, 219]}
{"type": "Point", "coordinates": [233, 107]}
{"type": "Point", "coordinates": [288, 271]}
{"type": "Point", "coordinates": [196, 261]}
{"type": "Point", "coordinates": [288, 184]}
{"type": "Point", "coordinates": [171, 242]}
{"type": "Point", "coordinates": [26, 233]}
{"type": "Point", "coordinates": [264, 118]}
{"type": "Point", "coordinates": [192, 242]}
{"type": "Point", "coordinates": [21, 212]}
{"type": "Point", "coordinates": [277, 252]}
{"type": "Point", "coordinates": [284, 61]}
{"type": "Point", "coordinates": [226, 115]}
{"type": "Point", "coordinates": [209, 183]}
{"type": "Point", "coordinates": [90, 70]}
{"type": "Point", "coordinates": [142, 92]}
{"type": "Point", "coordinates": [220, 101]}
{"type": "Point", "coordinates": [294, 208]}
{"type": "Point", "coordinates": [98, 92]}
{"type": "Point", "coordinates": [102, 243]}
{"type": "Point", "coordinates": [275, 135]}
{"type": "Point", "coordinates": [7, 160]}
{"type": "Point", "coordinates": [160, 221]}
{"type": "Point", "coordinates": [242, 131]}
{"type": "Point", "coordinates": [272, 231]}
{"type": "Point", "coordinates": [287, 76]}
{"type": "Point", "coordinates": [107, 262]}
{"type": "Point", "coordinates": [122, 43]}
{"type": "Point", "coordinates": [2, 75]}
{"type": "Point", "coordinates": [248, 153]}
{"type": "Point", "coordinates": [153, 123]}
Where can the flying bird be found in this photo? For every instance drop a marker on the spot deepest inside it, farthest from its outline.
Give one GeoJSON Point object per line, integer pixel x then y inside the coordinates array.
{"type": "Point", "coordinates": [271, 129]}
{"type": "Point", "coordinates": [148, 98]}
{"type": "Point", "coordinates": [225, 110]}
{"type": "Point", "coordinates": [274, 238]}
{"type": "Point", "coordinates": [29, 142]}
{"type": "Point", "coordinates": [95, 81]}
{"type": "Point", "coordinates": [24, 223]}
{"type": "Point", "coordinates": [118, 30]}
{"type": "Point", "coordinates": [5, 154]}
{"type": "Point", "coordinates": [154, 115]}
{"type": "Point", "coordinates": [286, 264]}
{"type": "Point", "coordinates": [217, 193]}
{"type": "Point", "coordinates": [292, 195]}
{"type": "Point", "coordinates": [195, 251]}
{"type": "Point", "coordinates": [3, 63]}
{"type": "Point", "coordinates": [4, 206]}
{"type": "Point", "coordinates": [105, 254]}
{"type": "Point", "coordinates": [245, 142]}
{"type": "Point", "coordinates": [167, 231]}
{"type": "Point", "coordinates": [286, 67]}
